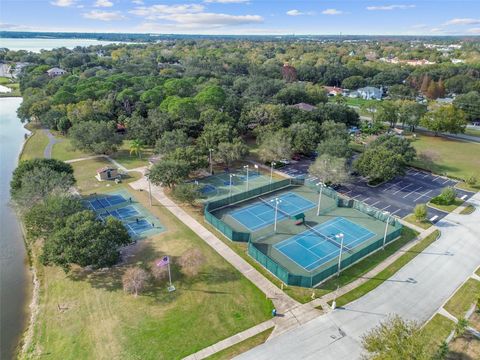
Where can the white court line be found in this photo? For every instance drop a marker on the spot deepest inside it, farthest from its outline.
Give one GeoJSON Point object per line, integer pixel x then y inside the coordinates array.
{"type": "Point", "coordinates": [434, 218]}
{"type": "Point", "coordinates": [425, 194]}
{"type": "Point", "coordinates": [411, 192]}
{"type": "Point", "coordinates": [402, 189]}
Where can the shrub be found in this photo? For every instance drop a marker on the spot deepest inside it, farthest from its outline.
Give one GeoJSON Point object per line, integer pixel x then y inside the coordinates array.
{"type": "Point", "coordinates": [191, 261]}
{"type": "Point", "coordinates": [448, 196]}
{"type": "Point", "coordinates": [471, 180]}
{"type": "Point", "coordinates": [420, 212]}
{"type": "Point", "coordinates": [186, 193]}
{"type": "Point", "coordinates": [134, 280]}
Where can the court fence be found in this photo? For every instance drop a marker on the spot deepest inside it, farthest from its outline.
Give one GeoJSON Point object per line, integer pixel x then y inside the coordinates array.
{"type": "Point", "coordinates": [259, 251]}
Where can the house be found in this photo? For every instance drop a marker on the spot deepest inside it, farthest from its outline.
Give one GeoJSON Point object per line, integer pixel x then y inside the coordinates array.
{"type": "Point", "coordinates": [333, 90]}
{"type": "Point", "coordinates": [304, 106]}
{"type": "Point", "coordinates": [370, 93]}
{"type": "Point", "coordinates": [53, 72]}
{"type": "Point", "coordinates": [107, 173]}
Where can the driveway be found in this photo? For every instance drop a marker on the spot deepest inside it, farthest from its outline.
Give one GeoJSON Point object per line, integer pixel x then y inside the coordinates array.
{"type": "Point", "coordinates": [415, 292]}
{"type": "Point", "coordinates": [398, 196]}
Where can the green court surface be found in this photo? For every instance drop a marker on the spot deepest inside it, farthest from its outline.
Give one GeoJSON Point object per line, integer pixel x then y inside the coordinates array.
{"type": "Point", "coordinates": [218, 186]}
{"type": "Point", "coordinates": [306, 253]}
{"type": "Point", "coordinates": [138, 221]}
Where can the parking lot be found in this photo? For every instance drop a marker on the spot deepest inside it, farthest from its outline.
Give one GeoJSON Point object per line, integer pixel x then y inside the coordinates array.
{"type": "Point", "coordinates": [398, 196]}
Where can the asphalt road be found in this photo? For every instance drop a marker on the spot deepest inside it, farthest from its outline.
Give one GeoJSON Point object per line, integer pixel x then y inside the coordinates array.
{"type": "Point", "coordinates": [415, 292]}
{"type": "Point", "coordinates": [398, 196]}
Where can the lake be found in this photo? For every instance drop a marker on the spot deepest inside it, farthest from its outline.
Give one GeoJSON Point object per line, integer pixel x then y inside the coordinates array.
{"type": "Point", "coordinates": [35, 45]}
{"type": "Point", "coordinates": [14, 278]}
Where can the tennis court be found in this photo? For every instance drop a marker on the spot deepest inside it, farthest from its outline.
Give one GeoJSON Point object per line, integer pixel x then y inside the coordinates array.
{"type": "Point", "coordinates": [320, 244]}
{"type": "Point", "coordinates": [138, 221]}
{"type": "Point", "coordinates": [262, 213]}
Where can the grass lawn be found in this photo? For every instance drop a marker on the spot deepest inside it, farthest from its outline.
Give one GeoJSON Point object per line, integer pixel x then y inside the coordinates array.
{"type": "Point", "coordinates": [85, 172]}
{"type": "Point", "coordinates": [86, 315]}
{"type": "Point", "coordinates": [64, 150]}
{"type": "Point", "coordinates": [447, 208]}
{"type": "Point", "coordinates": [472, 132]}
{"type": "Point", "coordinates": [12, 85]}
{"type": "Point", "coordinates": [124, 157]}
{"type": "Point", "coordinates": [241, 347]}
{"type": "Point", "coordinates": [450, 157]}
{"type": "Point", "coordinates": [463, 299]}
{"type": "Point", "coordinates": [478, 271]}
{"type": "Point", "coordinates": [425, 224]}
{"type": "Point", "coordinates": [468, 210]}
{"type": "Point", "coordinates": [388, 272]}
{"type": "Point", "coordinates": [35, 146]}
{"type": "Point", "coordinates": [437, 331]}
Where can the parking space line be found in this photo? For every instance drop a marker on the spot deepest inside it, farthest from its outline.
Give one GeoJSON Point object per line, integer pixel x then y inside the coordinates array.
{"type": "Point", "coordinates": [427, 174]}
{"type": "Point", "coordinates": [386, 207]}
{"type": "Point", "coordinates": [393, 213]}
{"type": "Point", "coordinates": [425, 194]}
{"type": "Point", "coordinates": [375, 203]}
{"type": "Point", "coordinates": [436, 177]}
{"type": "Point", "coordinates": [433, 218]}
{"type": "Point", "coordinates": [446, 181]}
{"type": "Point", "coordinates": [463, 197]}
{"type": "Point", "coordinates": [411, 192]}
{"type": "Point", "coordinates": [391, 186]}
{"type": "Point", "coordinates": [356, 196]}
{"type": "Point", "coordinates": [402, 188]}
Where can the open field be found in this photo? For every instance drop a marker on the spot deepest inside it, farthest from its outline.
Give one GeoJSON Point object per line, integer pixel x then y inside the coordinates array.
{"type": "Point", "coordinates": [241, 347]}
{"type": "Point", "coordinates": [451, 157]}
{"type": "Point", "coordinates": [85, 314]}
{"type": "Point", "coordinates": [463, 299]}
{"type": "Point", "coordinates": [63, 150]}
{"type": "Point", "coordinates": [34, 146]}
{"type": "Point", "coordinates": [388, 272]}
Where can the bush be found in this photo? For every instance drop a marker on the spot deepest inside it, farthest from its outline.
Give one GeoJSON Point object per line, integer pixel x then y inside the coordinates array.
{"type": "Point", "coordinates": [471, 180]}
{"type": "Point", "coordinates": [420, 212]}
{"type": "Point", "coordinates": [134, 280]}
{"type": "Point", "coordinates": [447, 197]}
{"type": "Point", "coordinates": [186, 193]}
{"type": "Point", "coordinates": [191, 261]}
{"type": "Point", "coordinates": [159, 273]}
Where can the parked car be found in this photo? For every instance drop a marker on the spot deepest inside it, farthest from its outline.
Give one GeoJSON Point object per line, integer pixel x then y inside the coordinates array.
{"type": "Point", "coordinates": [297, 157]}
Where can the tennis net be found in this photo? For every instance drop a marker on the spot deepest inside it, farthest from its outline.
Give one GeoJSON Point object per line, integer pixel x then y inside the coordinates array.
{"type": "Point", "coordinates": [269, 203]}
{"type": "Point", "coordinates": [328, 238]}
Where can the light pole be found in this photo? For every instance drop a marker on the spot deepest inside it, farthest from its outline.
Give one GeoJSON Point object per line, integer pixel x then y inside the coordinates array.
{"type": "Point", "coordinates": [386, 229]}
{"type": "Point", "coordinates": [210, 160]}
{"type": "Point", "coordinates": [149, 189]}
{"type": "Point", "coordinates": [277, 203]}
{"type": "Point", "coordinates": [272, 164]}
{"type": "Point", "coordinates": [230, 187]}
{"type": "Point", "coordinates": [319, 197]}
{"type": "Point", "coordinates": [340, 236]}
{"type": "Point", "coordinates": [246, 167]}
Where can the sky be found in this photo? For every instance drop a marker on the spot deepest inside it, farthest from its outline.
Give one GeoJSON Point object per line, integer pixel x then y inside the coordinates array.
{"type": "Point", "coordinates": [245, 17]}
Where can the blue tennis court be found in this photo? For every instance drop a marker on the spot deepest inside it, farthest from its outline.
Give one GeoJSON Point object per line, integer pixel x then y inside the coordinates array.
{"type": "Point", "coordinates": [207, 189]}
{"type": "Point", "coordinates": [121, 213]}
{"type": "Point", "coordinates": [262, 213]}
{"type": "Point", "coordinates": [138, 227]}
{"type": "Point", "coordinates": [318, 245]}
{"type": "Point", "coordinates": [106, 201]}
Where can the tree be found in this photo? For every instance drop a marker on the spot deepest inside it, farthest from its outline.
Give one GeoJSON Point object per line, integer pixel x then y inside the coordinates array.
{"type": "Point", "coordinates": [305, 137]}
{"type": "Point", "coordinates": [388, 112]}
{"type": "Point", "coordinates": [214, 134]}
{"type": "Point", "coordinates": [400, 91]}
{"type": "Point", "coordinates": [354, 82]}
{"type": "Point", "coordinates": [191, 261]}
{"type": "Point", "coordinates": [378, 164]}
{"type": "Point", "coordinates": [134, 280]}
{"type": "Point", "coordinates": [420, 212]}
{"type": "Point", "coordinates": [470, 104]}
{"type": "Point", "coordinates": [276, 146]}
{"type": "Point", "coordinates": [136, 147]}
{"type": "Point", "coordinates": [211, 96]}
{"type": "Point", "coordinates": [86, 241]}
{"type": "Point", "coordinates": [398, 145]}
{"type": "Point", "coordinates": [447, 197]}
{"type": "Point", "coordinates": [410, 113]}
{"type": "Point", "coordinates": [334, 146]}
{"type": "Point", "coordinates": [330, 129]}
{"type": "Point", "coordinates": [446, 118]}
{"type": "Point", "coordinates": [195, 157]}
{"type": "Point", "coordinates": [329, 169]}
{"type": "Point", "coordinates": [170, 141]}
{"type": "Point", "coordinates": [168, 172]}
{"type": "Point", "coordinates": [186, 193]}
{"type": "Point", "coordinates": [229, 152]}
{"type": "Point", "coordinates": [41, 218]}
{"type": "Point", "coordinates": [95, 137]}
{"type": "Point", "coordinates": [396, 338]}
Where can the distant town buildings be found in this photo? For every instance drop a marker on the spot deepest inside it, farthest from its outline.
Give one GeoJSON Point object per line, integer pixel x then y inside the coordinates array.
{"type": "Point", "coordinates": [416, 62]}
{"type": "Point", "coordinates": [54, 72]}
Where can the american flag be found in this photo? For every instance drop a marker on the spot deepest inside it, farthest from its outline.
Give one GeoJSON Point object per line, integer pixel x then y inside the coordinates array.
{"type": "Point", "coordinates": [163, 261]}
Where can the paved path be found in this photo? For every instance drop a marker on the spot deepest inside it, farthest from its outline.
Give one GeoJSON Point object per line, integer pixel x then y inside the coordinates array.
{"type": "Point", "coordinates": [417, 291]}
{"type": "Point", "coordinates": [52, 140]}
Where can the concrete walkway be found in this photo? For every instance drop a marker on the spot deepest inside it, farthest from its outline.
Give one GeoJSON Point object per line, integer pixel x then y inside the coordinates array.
{"type": "Point", "coordinates": [52, 140]}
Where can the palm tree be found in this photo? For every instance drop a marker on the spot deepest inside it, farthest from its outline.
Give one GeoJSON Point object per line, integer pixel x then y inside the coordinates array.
{"type": "Point", "coordinates": [136, 147]}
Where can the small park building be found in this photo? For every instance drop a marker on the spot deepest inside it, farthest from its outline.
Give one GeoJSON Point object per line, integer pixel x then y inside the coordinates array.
{"type": "Point", "coordinates": [107, 173]}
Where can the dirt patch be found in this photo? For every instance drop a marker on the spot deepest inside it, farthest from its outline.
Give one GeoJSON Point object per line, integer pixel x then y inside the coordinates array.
{"type": "Point", "coordinates": [465, 347]}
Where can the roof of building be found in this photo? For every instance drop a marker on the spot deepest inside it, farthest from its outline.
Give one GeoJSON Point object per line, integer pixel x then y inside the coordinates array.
{"type": "Point", "coordinates": [105, 168]}
{"type": "Point", "coordinates": [304, 106]}
{"type": "Point", "coordinates": [55, 69]}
